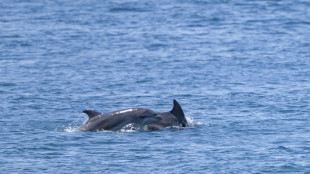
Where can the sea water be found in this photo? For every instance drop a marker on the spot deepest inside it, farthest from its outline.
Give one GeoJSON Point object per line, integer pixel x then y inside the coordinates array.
{"type": "Point", "coordinates": [239, 69]}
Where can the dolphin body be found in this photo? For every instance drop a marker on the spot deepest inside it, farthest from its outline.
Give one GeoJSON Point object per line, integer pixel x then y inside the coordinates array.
{"type": "Point", "coordinates": [175, 117]}
{"type": "Point", "coordinates": [113, 121]}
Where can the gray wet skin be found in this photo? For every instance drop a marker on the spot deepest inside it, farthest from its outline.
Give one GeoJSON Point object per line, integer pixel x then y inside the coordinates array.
{"type": "Point", "coordinates": [117, 120]}
{"type": "Point", "coordinates": [175, 117]}
{"type": "Point", "coordinates": [138, 116]}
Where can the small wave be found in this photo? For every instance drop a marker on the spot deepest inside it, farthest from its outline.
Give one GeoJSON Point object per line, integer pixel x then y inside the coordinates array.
{"type": "Point", "coordinates": [202, 124]}
{"type": "Point", "coordinates": [127, 9]}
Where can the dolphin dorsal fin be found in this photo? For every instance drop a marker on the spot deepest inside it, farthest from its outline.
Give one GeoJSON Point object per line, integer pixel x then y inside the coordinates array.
{"type": "Point", "coordinates": [91, 113]}
{"type": "Point", "coordinates": [178, 112]}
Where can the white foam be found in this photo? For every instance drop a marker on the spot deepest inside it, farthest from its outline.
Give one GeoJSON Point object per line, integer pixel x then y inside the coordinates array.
{"type": "Point", "coordinates": [130, 128]}
{"type": "Point", "coordinates": [191, 122]}
{"type": "Point", "coordinates": [71, 129]}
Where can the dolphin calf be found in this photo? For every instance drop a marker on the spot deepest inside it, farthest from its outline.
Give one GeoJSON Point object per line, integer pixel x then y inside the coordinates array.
{"type": "Point", "coordinates": [175, 117]}
{"type": "Point", "coordinates": [113, 121]}
{"type": "Point", "coordinates": [140, 117]}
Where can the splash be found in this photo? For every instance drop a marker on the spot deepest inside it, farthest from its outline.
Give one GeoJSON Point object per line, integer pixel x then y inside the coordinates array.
{"type": "Point", "coordinates": [129, 128]}
{"type": "Point", "coordinates": [71, 129]}
{"type": "Point", "coordinates": [191, 122]}
{"type": "Point", "coordinates": [67, 128]}
{"type": "Point", "coordinates": [133, 128]}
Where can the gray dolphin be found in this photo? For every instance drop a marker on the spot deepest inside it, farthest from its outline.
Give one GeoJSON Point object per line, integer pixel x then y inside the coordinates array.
{"type": "Point", "coordinates": [175, 117]}
{"type": "Point", "coordinates": [113, 121]}
{"type": "Point", "coordinates": [98, 121]}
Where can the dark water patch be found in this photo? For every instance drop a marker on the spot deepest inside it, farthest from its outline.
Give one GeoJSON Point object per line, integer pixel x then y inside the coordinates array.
{"type": "Point", "coordinates": [283, 148]}
{"type": "Point", "coordinates": [7, 84]}
{"type": "Point", "coordinates": [127, 10]}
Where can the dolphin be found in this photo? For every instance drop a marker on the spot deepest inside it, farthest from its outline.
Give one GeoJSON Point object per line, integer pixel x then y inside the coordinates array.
{"type": "Point", "coordinates": [175, 117]}
{"type": "Point", "coordinates": [114, 121]}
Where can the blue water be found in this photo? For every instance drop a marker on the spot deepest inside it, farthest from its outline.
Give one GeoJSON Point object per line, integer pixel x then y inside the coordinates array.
{"type": "Point", "coordinates": [240, 70]}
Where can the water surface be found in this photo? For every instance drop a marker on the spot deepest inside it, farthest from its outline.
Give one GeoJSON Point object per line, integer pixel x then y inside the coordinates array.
{"type": "Point", "coordinates": [239, 69]}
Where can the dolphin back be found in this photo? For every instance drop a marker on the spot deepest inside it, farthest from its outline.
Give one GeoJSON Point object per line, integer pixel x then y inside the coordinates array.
{"type": "Point", "coordinates": [177, 111]}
